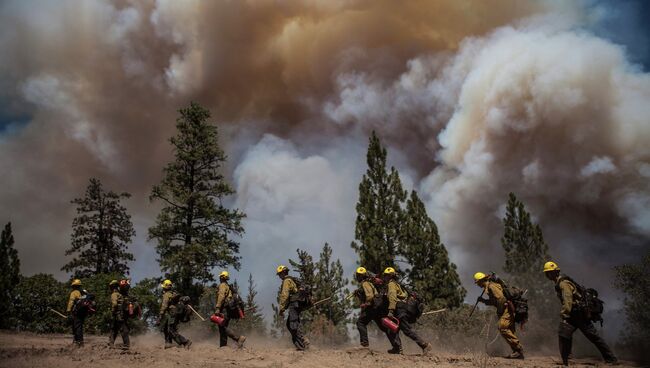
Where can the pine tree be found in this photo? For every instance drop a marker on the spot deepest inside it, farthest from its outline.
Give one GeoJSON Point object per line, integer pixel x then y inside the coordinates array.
{"type": "Point", "coordinates": [305, 268]}
{"type": "Point", "coordinates": [254, 320]}
{"type": "Point", "coordinates": [329, 282]}
{"type": "Point", "coordinates": [379, 212]}
{"type": "Point", "coordinates": [100, 233]}
{"type": "Point", "coordinates": [193, 228]}
{"type": "Point", "coordinates": [430, 272]}
{"type": "Point", "coordinates": [525, 254]}
{"type": "Point", "coordinates": [9, 277]}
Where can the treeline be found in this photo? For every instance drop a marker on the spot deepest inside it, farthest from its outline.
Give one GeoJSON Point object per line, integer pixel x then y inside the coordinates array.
{"type": "Point", "coordinates": [195, 232]}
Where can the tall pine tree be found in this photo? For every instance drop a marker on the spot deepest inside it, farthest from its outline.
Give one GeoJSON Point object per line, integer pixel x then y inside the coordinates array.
{"type": "Point", "coordinates": [254, 321]}
{"type": "Point", "coordinates": [100, 233]}
{"type": "Point", "coordinates": [9, 277]}
{"type": "Point", "coordinates": [525, 254]}
{"type": "Point", "coordinates": [331, 283]}
{"type": "Point", "coordinates": [430, 272]}
{"type": "Point", "coordinates": [379, 212]}
{"type": "Point", "coordinates": [194, 228]}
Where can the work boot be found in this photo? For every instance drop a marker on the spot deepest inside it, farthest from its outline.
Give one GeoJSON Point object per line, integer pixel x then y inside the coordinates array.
{"type": "Point", "coordinates": [306, 343]}
{"type": "Point", "coordinates": [516, 355]}
{"type": "Point", "coordinates": [396, 350]}
{"type": "Point", "coordinates": [612, 362]}
{"type": "Point", "coordinates": [427, 349]}
{"type": "Point", "coordinates": [240, 341]}
{"type": "Point", "coordinates": [187, 344]}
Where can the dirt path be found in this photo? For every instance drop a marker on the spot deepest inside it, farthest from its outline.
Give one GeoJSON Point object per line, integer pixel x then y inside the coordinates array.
{"type": "Point", "coordinates": [28, 350]}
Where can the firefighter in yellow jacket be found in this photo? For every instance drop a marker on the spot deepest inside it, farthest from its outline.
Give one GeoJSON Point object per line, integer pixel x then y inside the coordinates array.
{"type": "Point", "coordinates": [168, 318]}
{"type": "Point", "coordinates": [372, 309]}
{"type": "Point", "coordinates": [288, 301]}
{"type": "Point", "coordinates": [397, 309]}
{"type": "Point", "coordinates": [506, 316]}
{"type": "Point", "coordinates": [120, 323]}
{"type": "Point", "coordinates": [76, 318]}
{"type": "Point", "coordinates": [224, 298]}
{"type": "Point", "coordinates": [573, 318]}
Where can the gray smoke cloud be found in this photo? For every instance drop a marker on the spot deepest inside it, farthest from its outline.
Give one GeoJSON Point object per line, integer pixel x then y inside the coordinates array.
{"type": "Point", "coordinates": [473, 100]}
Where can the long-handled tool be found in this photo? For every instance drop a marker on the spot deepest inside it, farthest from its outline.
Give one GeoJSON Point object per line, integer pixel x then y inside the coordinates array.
{"type": "Point", "coordinates": [197, 313]}
{"type": "Point", "coordinates": [321, 301]}
{"type": "Point", "coordinates": [476, 304]}
{"type": "Point", "coordinates": [58, 313]}
{"type": "Point", "coordinates": [434, 312]}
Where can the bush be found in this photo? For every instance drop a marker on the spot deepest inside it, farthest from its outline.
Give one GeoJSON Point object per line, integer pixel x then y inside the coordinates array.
{"type": "Point", "coordinates": [35, 295]}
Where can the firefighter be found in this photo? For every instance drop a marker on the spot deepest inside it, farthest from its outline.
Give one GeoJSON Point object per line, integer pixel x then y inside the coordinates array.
{"type": "Point", "coordinates": [573, 317]}
{"type": "Point", "coordinates": [289, 301]}
{"type": "Point", "coordinates": [168, 319]}
{"type": "Point", "coordinates": [224, 299]}
{"type": "Point", "coordinates": [120, 322]}
{"type": "Point", "coordinates": [397, 309]}
{"type": "Point", "coordinates": [372, 309]}
{"type": "Point", "coordinates": [74, 316]}
{"type": "Point", "coordinates": [497, 299]}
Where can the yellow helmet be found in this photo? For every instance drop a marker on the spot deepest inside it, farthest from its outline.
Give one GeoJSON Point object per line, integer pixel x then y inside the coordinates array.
{"type": "Point", "coordinates": [361, 271]}
{"type": "Point", "coordinates": [389, 271]}
{"type": "Point", "coordinates": [113, 283]}
{"type": "Point", "coordinates": [76, 282]}
{"type": "Point", "coordinates": [281, 268]}
{"type": "Point", "coordinates": [479, 276]}
{"type": "Point", "coordinates": [166, 284]}
{"type": "Point", "coordinates": [224, 275]}
{"type": "Point", "coordinates": [551, 266]}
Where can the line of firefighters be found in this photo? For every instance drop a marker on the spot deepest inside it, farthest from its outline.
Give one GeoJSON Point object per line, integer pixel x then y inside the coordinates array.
{"type": "Point", "coordinates": [384, 303]}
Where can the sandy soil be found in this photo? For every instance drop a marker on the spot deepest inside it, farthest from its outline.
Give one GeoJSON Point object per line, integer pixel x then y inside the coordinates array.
{"type": "Point", "coordinates": [30, 350]}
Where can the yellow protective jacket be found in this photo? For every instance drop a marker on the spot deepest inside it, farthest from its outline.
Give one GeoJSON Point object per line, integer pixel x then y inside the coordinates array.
{"type": "Point", "coordinates": [74, 296]}
{"type": "Point", "coordinates": [116, 303]}
{"type": "Point", "coordinates": [287, 289]}
{"type": "Point", "coordinates": [395, 294]}
{"type": "Point", "coordinates": [166, 302]}
{"type": "Point", "coordinates": [496, 297]}
{"type": "Point", "coordinates": [224, 295]}
{"type": "Point", "coordinates": [369, 291]}
{"type": "Point", "coordinates": [567, 292]}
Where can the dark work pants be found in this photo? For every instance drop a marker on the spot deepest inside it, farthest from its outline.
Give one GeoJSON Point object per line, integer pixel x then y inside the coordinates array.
{"type": "Point", "coordinates": [404, 326]}
{"type": "Point", "coordinates": [575, 322]}
{"type": "Point", "coordinates": [169, 326]}
{"type": "Point", "coordinates": [368, 315]}
{"type": "Point", "coordinates": [225, 332]}
{"type": "Point", "coordinates": [295, 326]}
{"type": "Point", "coordinates": [77, 329]}
{"type": "Point", "coordinates": [120, 327]}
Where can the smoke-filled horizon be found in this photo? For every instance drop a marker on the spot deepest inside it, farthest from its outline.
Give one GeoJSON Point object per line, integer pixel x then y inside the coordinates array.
{"type": "Point", "coordinates": [473, 100]}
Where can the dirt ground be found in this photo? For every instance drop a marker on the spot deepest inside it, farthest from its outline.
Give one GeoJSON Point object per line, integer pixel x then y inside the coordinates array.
{"type": "Point", "coordinates": [30, 350]}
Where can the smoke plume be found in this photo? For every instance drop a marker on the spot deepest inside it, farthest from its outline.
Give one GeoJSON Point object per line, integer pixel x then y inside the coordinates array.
{"type": "Point", "coordinates": [473, 99]}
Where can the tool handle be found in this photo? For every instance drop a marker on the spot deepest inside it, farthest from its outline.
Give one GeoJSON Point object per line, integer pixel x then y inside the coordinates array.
{"type": "Point", "coordinates": [197, 313]}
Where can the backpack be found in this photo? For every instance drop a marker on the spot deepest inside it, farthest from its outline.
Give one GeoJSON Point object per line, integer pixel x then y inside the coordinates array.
{"type": "Point", "coordinates": [86, 305]}
{"type": "Point", "coordinates": [515, 296]}
{"type": "Point", "coordinates": [183, 312]}
{"type": "Point", "coordinates": [235, 307]}
{"type": "Point", "coordinates": [303, 297]}
{"type": "Point", "coordinates": [415, 305]}
{"type": "Point", "coordinates": [587, 302]}
{"type": "Point", "coordinates": [130, 307]}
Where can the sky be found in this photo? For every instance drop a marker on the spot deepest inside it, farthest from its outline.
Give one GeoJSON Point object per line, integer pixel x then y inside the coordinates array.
{"type": "Point", "coordinates": [547, 99]}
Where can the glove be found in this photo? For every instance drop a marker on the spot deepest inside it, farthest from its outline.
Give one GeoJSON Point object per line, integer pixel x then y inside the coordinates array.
{"type": "Point", "coordinates": [69, 319]}
{"type": "Point", "coordinates": [391, 314]}
{"type": "Point", "coordinates": [281, 313]}
{"type": "Point", "coordinates": [364, 305]}
{"type": "Point", "coordinates": [482, 300]}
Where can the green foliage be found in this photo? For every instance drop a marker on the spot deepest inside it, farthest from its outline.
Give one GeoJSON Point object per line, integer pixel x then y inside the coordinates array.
{"type": "Point", "coordinates": [9, 277]}
{"type": "Point", "coordinates": [254, 320]}
{"type": "Point", "coordinates": [100, 233]}
{"type": "Point", "coordinates": [525, 254]}
{"type": "Point", "coordinates": [148, 294]}
{"type": "Point", "coordinates": [633, 280]}
{"type": "Point", "coordinates": [379, 212]}
{"type": "Point", "coordinates": [193, 228]}
{"type": "Point", "coordinates": [35, 295]}
{"type": "Point", "coordinates": [430, 272]}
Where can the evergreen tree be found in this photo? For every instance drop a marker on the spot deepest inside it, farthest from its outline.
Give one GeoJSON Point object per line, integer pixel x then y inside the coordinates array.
{"type": "Point", "coordinates": [379, 212]}
{"type": "Point", "coordinates": [430, 272]}
{"type": "Point", "coordinates": [193, 228]}
{"type": "Point", "coordinates": [9, 277]}
{"type": "Point", "coordinates": [329, 282]}
{"type": "Point", "coordinates": [525, 254]}
{"type": "Point", "coordinates": [305, 268]}
{"type": "Point", "coordinates": [100, 233]}
{"type": "Point", "coordinates": [633, 280]}
{"type": "Point", "coordinates": [254, 320]}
